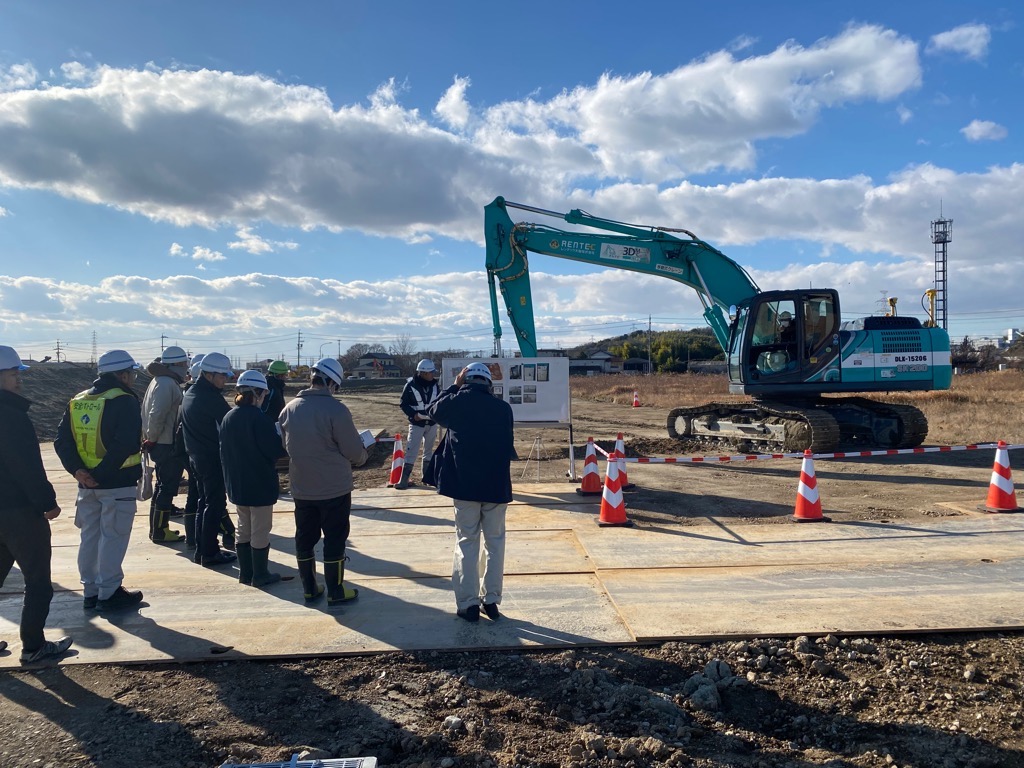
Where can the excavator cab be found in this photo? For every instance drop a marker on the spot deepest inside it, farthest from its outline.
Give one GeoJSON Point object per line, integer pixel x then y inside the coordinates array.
{"type": "Point", "coordinates": [783, 337]}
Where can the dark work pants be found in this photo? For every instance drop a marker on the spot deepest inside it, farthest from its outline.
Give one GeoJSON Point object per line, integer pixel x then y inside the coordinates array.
{"type": "Point", "coordinates": [25, 540]}
{"type": "Point", "coordinates": [213, 504]}
{"type": "Point", "coordinates": [192, 500]}
{"type": "Point", "coordinates": [169, 469]}
{"type": "Point", "coordinates": [329, 517]}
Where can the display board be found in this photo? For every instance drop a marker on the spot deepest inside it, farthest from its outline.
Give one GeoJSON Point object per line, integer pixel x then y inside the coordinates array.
{"type": "Point", "coordinates": [537, 388]}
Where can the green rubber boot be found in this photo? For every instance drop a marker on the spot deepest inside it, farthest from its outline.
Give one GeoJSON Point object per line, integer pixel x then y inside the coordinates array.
{"type": "Point", "coordinates": [334, 575]}
{"type": "Point", "coordinates": [311, 591]}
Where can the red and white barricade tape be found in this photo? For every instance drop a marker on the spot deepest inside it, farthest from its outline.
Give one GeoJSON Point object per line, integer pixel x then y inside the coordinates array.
{"type": "Point", "coordinates": [836, 455]}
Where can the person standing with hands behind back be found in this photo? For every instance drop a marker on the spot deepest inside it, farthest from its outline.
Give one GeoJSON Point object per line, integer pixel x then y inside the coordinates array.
{"type": "Point", "coordinates": [419, 394]}
{"type": "Point", "coordinates": [474, 472]}
{"type": "Point", "coordinates": [27, 504]}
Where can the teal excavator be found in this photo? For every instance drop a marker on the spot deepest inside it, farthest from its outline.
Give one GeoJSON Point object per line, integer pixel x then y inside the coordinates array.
{"type": "Point", "coordinates": [789, 351]}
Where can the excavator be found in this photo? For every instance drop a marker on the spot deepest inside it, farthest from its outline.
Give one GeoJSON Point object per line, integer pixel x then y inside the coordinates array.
{"type": "Point", "coordinates": [805, 370]}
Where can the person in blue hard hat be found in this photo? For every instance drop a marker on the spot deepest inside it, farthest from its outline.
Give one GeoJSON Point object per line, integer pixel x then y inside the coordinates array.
{"type": "Point", "coordinates": [99, 442]}
{"type": "Point", "coordinates": [27, 505]}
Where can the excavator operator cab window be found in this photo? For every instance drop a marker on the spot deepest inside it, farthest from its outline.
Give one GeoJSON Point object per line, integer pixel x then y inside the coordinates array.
{"type": "Point", "coordinates": [774, 338]}
{"type": "Point", "coordinates": [819, 323]}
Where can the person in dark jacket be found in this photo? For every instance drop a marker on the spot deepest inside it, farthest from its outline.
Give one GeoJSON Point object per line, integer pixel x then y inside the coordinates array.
{"type": "Point", "coordinates": [160, 407]}
{"type": "Point", "coordinates": [474, 472]}
{"type": "Point", "coordinates": [202, 409]}
{"type": "Point", "coordinates": [27, 504]}
{"type": "Point", "coordinates": [249, 450]}
{"type": "Point", "coordinates": [419, 394]}
{"type": "Point", "coordinates": [273, 403]}
{"type": "Point", "coordinates": [98, 441]}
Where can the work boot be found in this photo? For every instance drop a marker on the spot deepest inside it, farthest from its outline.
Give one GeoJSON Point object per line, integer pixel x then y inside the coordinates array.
{"type": "Point", "coordinates": [189, 521]}
{"type": "Point", "coordinates": [402, 484]}
{"type": "Point", "coordinates": [159, 530]}
{"type": "Point", "coordinates": [334, 575]}
{"type": "Point", "coordinates": [227, 529]}
{"type": "Point", "coordinates": [261, 577]}
{"type": "Point", "coordinates": [120, 598]}
{"type": "Point", "coordinates": [311, 591]}
{"type": "Point", "coordinates": [244, 552]}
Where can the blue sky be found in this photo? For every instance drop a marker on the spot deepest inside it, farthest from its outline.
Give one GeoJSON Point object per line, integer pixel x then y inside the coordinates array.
{"type": "Point", "coordinates": [227, 175]}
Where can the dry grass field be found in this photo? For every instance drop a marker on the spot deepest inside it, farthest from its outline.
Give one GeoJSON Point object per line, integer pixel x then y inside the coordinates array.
{"type": "Point", "coordinates": [978, 407]}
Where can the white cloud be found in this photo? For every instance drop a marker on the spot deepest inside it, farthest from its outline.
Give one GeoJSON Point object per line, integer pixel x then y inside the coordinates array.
{"type": "Point", "coordinates": [969, 40]}
{"type": "Point", "coordinates": [216, 148]}
{"type": "Point", "coordinates": [199, 253]}
{"type": "Point", "coordinates": [984, 130]}
{"type": "Point", "coordinates": [252, 243]}
{"type": "Point", "coordinates": [17, 77]}
{"type": "Point", "coordinates": [904, 114]}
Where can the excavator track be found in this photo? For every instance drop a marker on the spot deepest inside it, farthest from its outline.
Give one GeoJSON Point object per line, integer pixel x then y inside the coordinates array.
{"type": "Point", "coordinates": [823, 426]}
{"type": "Point", "coordinates": [760, 425]}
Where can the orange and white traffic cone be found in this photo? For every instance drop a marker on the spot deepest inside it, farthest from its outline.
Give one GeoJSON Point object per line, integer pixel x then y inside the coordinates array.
{"type": "Point", "coordinates": [1001, 496]}
{"type": "Point", "coordinates": [613, 506]}
{"type": "Point", "coordinates": [808, 503]}
{"type": "Point", "coordinates": [591, 482]}
{"type": "Point", "coordinates": [397, 463]}
{"type": "Point", "coordinates": [636, 399]}
{"type": "Point", "coordinates": [620, 448]}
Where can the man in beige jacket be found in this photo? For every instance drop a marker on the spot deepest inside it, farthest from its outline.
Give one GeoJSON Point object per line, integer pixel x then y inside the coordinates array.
{"type": "Point", "coordinates": [323, 445]}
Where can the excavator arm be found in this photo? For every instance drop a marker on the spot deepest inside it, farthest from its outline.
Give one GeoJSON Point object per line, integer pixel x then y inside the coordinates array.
{"type": "Point", "coordinates": [718, 280]}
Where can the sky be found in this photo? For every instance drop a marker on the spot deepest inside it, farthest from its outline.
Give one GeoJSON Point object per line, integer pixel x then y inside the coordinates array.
{"type": "Point", "coordinates": [235, 176]}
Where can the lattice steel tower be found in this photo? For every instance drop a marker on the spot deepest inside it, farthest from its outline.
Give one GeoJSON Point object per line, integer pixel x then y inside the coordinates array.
{"type": "Point", "coordinates": [942, 235]}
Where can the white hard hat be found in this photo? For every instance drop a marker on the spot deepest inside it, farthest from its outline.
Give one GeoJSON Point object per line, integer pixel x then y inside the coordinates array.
{"type": "Point", "coordinates": [174, 356]}
{"type": "Point", "coordinates": [10, 359]}
{"type": "Point", "coordinates": [425, 366]}
{"type": "Point", "coordinates": [116, 360]}
{"type": "Point", "coordinates": [215, 362]}
{"type": "Point", "coordinates": [253, 379]}
{"type": "Point", "coordinates": [330, 368]}
{"type": "Point", "coordinates": [478, 371]}
{"type": "Point", "coordinates": [196, 368]}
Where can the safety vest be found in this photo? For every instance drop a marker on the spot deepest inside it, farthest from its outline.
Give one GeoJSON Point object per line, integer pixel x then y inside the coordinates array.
{"type": "Point", "coordinates": [86, 417]}
{"type": "Point", "coordinates": [421, 407]}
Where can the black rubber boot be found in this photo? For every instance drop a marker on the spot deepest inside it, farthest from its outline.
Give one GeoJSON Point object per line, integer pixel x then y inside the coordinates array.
{"type": "Point", "coordinates": [402, 484]}
{"type": "Point", "coordinates": [261, 577]}
{"type": "Point", "coordinates": [311, 591]}
{"type": "Point", "coordinates": [334, 575]}
{"type": "Point", "coordinates": [245, 563]}
{"type": "Point", "coordinates": [152, 518]}
{"type": "Point", "coordinates": [159, 530]}
{"type": "Point", "coordinates": [189, 521]}
{"type": "Point", "coordinates": [227, 529]}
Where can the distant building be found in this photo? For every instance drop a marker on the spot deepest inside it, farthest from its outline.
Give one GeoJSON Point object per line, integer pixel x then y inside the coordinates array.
{"type": "Point", "coordinates": [1012, 335]}
{"type": "Point", "coordinates": [601, 361]}
{"type": "Point", "coordinates": [376, 365]}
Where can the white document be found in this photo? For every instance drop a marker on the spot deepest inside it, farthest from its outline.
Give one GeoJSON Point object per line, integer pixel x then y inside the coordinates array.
{"type": "Point", "coordinates": [368, 438]}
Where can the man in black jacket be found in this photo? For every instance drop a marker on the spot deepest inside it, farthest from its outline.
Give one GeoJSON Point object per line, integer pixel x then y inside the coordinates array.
{"type": "Point", "coordinates": [27, 504]}
{"type": "Point", "coordinates": [474, 472]}
{"type": "Point", "coordinates": [99, 441]}
{"type": "Point", "coordinates": [202, 409]}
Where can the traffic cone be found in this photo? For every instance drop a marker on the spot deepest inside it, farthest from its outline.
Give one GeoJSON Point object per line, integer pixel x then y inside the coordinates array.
{"type": "Point", "coordinates": [620, 448]}
{"type": "Point", "coordinates": [1001, 496]}
{"type": "Point", "coordinates": [613, 506]}
{"type": "Point", "coordinates": [808, 503]}
{"type": "Point", "coordinates": [397, 463]}
{"type": "Point", "coordinates": [636, 399]}
{"type": "Point", "coordinates": [591, 483]}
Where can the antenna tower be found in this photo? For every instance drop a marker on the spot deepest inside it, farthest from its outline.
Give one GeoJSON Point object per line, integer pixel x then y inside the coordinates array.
{"type": "Point", "coordinates": [942, 235]}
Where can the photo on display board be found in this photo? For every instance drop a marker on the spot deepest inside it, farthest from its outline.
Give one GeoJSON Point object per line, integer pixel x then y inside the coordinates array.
{"type": "Point", "coordinates": [530, 393]}
{"type": "Point", "coordinates": [530, 372]}
{"type": "Point", "coordinates": [498, 389]}
{"type": "Point", "coordinates": [515, 371]}
{"type": "Point", "coordinates": [542, 371]}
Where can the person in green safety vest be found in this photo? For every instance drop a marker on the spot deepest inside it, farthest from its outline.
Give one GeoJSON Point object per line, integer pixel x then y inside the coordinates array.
{"type": "Point", "coordinates": [99, 441]}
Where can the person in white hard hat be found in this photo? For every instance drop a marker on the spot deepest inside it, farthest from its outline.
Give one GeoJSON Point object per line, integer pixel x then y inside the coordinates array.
{"type": "Point", "coordinates": [323, 445]}
{"type": "Point", "coordinates": [27, 504]}
{"type": "Point", "coordinates": [192, 497]}
{"type": "Point", "coordinates": [160, 408]}
{"type": "Point", "coordinates": [98, 441]}
{"type": "Point", "coordinates": [420, 392]}
{"type": "Point", "coordinates": [474, 471]}
{"type": "Point", "coordinates": [202, 409]}
{"type": "Point", "coordinates": [249, 450]}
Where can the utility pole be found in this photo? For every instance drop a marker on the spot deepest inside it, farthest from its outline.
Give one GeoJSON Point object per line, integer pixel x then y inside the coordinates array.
{"type": "Point", "coordinates": [298, 350]}
{"type": "Point", "coordinates": [58, 350]}
{"type": "Point", "coordinates": [93, 361]}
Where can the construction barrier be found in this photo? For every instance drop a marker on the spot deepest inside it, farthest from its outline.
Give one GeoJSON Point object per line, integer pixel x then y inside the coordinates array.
{"type": "Point", "coordinates": [397, 463]}
{"type": "Point", "coordinates": [591, 482]}
{"type": "Point", "coordinates": [1001, 496]}
{"type": "Point", "coordinates": [836, 455]}
{"type": "Point", "coordinates": [620, 448]}
{"type": "Point", "coordinates": [808, 502]}
{"type": "Point", "coordinates": [613, 506]}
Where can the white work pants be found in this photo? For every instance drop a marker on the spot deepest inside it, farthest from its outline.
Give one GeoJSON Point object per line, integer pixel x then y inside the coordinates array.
{"type": "Point", "coordinates": [254, 524]}
{"type": "Point", "coordinates": [105, 517]}
{"type": "Point", "coordinates": [471, 519]}
{"type": "Point", "coordinates": [418, 433]}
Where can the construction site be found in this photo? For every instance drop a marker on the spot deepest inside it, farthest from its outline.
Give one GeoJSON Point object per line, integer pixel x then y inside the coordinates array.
{"type": "Point", "coordinates": [710, 629]}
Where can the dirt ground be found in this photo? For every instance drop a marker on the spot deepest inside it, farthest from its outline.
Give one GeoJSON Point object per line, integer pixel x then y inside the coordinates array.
{"type": "Point", "coordinates": [925, 701]}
